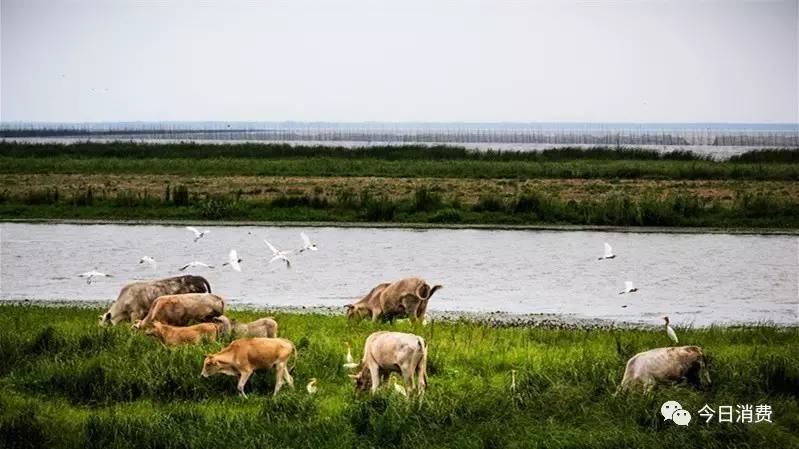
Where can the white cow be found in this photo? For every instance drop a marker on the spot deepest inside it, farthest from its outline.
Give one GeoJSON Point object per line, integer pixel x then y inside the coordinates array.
{"type": "Point", "coordinates": [386, 352]}
{"type": "Point", "coordinates": [665, 365]}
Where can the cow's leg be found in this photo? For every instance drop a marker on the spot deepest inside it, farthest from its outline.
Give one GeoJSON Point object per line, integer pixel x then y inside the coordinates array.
{"type": "Point", "coordinates": [374, 372]}
{"type": "Point", "coordinates": [281, 369]}
{"type": "Point", "coordinates": [244, 376]}
{"type": "Point", "coordinates": [421, 374]}
{"type": "Point", "coordinates": [375, 315]}
{"type": "Point", "coordinates": [407, 377]}
{"type": "Point", "coordinates": [287, 376]}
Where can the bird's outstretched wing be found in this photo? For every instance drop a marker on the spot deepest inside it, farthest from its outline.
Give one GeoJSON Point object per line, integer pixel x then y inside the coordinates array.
{"type": "Point", "coordinates": [274, 250]}
{"type": "Point", "coordinates": [305, 240]}
{"type": "Point", "coordinates": [184, 267]}
{"type": "Point", "coordinates": [194, 230]}
{"type": "Point", "coordinates": [608, 250]}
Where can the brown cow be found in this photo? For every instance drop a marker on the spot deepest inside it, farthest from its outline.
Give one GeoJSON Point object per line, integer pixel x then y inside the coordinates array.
{"type": "Point", "coordinates": [180, 310]}
{"type": "Point", "coordinates": [405, 298]}
{"type": "Point", "coordinates": [664, 365]}
{"type": "Point", "coordinates": [176, 335]}
{"type": "Point", "coordinates": [385, 352]}
{"type": "Point", "coordinates": [135, 299]}
{"type": "Point", "coordinates": [264, 327]}
{"type": "Point", "coordinates": [245, 355]}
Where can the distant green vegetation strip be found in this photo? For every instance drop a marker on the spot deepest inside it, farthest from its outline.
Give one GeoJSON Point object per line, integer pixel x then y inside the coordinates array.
{"type": "Point", "coordinates": [405, 162]}
{"type": "Point", "coordinates": [425, 205]}
{"type": "Point", "coordinates": [67, 383]}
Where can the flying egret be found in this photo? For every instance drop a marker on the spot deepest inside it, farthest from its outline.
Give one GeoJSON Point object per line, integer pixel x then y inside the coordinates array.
{"type": "Point", "coordinates": [311, 387]}
{"type": "Point", "coordinates": [278, 255]}
{"type": "Point", "coordinates": [307, 244]}
{"type": "Point", "coordinates": [90, 275]}
{"type": "Point", "coordinates": [608, 252]}
{"type": "Point", "coordinates": [628, 288]}
{"type": "Point", "coordinates": [233, 260]}
{"type": "Point", "coordinates": [149, 261]}
{"type": "Point", "coordinates": [197, 233]}
{"type": "Point", "coordinates": [670, 331]}
{"type": "Point", "coordinates": [196, 264]}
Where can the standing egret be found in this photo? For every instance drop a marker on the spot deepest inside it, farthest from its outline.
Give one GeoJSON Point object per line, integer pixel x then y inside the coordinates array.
{"type": "Point", "coordinates": [670, 331]}
{"type": "Point", "coordinates": [233, 260]}
{"type": "Point", "coordinates": [398, 388]}
{"type": "Point", "coordinates": [307, 244]}
{"type": "Point", "coordinates": [628, 288]}
{"type": "Point", "coordinates": [513, 380]}
{"type": "Point", "coordinates": [311, 387]}
{"type": "Point", "coordinates": [90, 275]}
{"type": "Point", "coordinates": [197, 233]}
{"type": "Point", "coordinates": [608, 252]}
{"type": "Point", "coordinates": [278, 255]}
{"type": "Point", "coordinates": [348, 358]}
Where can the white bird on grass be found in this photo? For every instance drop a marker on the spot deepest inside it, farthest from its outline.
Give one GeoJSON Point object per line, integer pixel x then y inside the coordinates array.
{"type": "Point", "coordinates": [608, 252]}
{"type": "Point", "coordinates": [307, 244]}
{"type": "Point", "coordinates": [278, 255]}
{"type": "Point", "coordinates": [311, 387]}
{"type": "Point", "coordinates": [90, 275]}
{"type": "Point", "coordinates": [628, 288]}
{"type": "Point", "coordinates": [233, 260]}
{"type": "Point", "coordinates": [197, 233]}
{"type": "Point", "coordinates": [196, 264]}
{"type": "Point", "coordinates": [149, 261]}
{"type": "Point", "coordinates": [670, 331]}
{"type": "Point", "coordinates": [399, 388]}
{"type": "Point", "coordinates": [350, 361]}
{"type": "Point", "coordinates": [513, 380]}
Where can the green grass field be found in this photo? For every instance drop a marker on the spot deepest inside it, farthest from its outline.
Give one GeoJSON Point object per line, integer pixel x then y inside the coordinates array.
{"type": "Point", "coordinates": [65, 382]}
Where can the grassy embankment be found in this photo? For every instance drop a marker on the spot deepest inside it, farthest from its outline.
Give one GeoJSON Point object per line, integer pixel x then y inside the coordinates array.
{"type": "Point", "coordinates": [397, 184]}
{"type": "Point", "coordinates": [64, 382]}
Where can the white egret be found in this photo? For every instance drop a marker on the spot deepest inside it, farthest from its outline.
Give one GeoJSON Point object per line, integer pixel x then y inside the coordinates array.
{"type": "Point", "coordinates": [90, 275]}
{"type": "Point", "coordinates": [196, 264]}
{"type": "Point", "coordinates": [513, 380]}
{"type": "Point", "coordinates": [311, 387]}
{"type": "Point", "coordinates": [197, 233]}
{"type": "Point", "coordinates": [608, 252]}
{"type": "Point", "coordinates": [348, 358]}
{"type": "Point", "coordinates": [628, 288]}
{"type": "Point", "coordinates": [670, 331]}
{"type": "Point", "coordinates": [278, 255]}
{"type": "Point", "coordinates": [307, 244]}
{"type": "Point", "coordinates": [399, 388]}
{"type": "Point", "coordinates": [233, 260]}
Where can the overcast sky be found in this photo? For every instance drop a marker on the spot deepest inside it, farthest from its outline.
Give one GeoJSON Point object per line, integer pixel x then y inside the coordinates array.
{"type": "Point", "coordinates": [523, 61]}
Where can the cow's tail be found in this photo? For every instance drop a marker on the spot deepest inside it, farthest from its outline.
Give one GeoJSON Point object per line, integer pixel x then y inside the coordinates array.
{"type": "Point", "coordinates": [423, 291]}
{"type": "Point", "coordinates": [421, 368]}
{"type": "Point", "coordinates": [294, 353]}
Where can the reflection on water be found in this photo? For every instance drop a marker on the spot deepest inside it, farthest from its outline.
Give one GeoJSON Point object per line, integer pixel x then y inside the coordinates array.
{"type": "Point", "coordinates": [694, 278]}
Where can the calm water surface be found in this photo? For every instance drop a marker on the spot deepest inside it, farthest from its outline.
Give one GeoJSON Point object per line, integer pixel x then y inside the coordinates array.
{"type": "Point", "coordinates": [696, 279]}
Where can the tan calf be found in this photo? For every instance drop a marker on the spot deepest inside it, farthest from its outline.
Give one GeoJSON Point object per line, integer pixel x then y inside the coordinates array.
{"type": "Point", "coordinates": [243, 356]}
{"type": "Point", "coordinates": [385, 352]}
{"type": "Point", "coordinates": [264, 327]}
{"type": "Point", "coordinates": [175, 335]}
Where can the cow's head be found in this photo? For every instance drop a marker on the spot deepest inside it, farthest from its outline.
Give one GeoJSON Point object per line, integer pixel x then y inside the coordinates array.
{"type": "Point", "coordinates": [154, 328]}
{"type": "Point", "coordinates": [363, 380]}
{"type": "Point", "coordinates": [105, 319]}
{"type": "Point", "coordinates": [210, 366]}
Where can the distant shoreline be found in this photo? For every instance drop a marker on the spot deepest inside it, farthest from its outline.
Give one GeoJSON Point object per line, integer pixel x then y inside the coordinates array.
{"type": "Point", "coordinates": [396, 225]}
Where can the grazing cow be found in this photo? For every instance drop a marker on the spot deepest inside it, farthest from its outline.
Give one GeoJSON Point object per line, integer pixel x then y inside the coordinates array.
{"type": "Point", "coordinates": [664, 365]}
{"type": "Point", "coordinates": [245, 355]}
{"type": "Point", "coordinates": [181, 310]}
{"type": "Point", "coordinates": [386, 352]}
{"type": "Point", "coordinates": [135, 299]}
{"type": "Point", "coordinates": [176, 335]}
{"type": "Point", "coordinates": [264, 327]}
{"type": "Point", "coordinates": [405, 298]}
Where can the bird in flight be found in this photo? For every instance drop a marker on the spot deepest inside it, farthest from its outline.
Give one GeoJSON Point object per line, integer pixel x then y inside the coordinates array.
{"type": "Point", "coordinates": [608, 252]}
{"type": "Point", "coordinates": [307, 244]}
{"type": "Point", "coordinates": [197, 233]}
{"type": "Point", "coordinates": [628, 288]}
{"type": "Point", "coordinates": [233, 260]}
{"type": "Point", "coordinates": [278, 255]}
{"type": "Point", "coordinates": [90, 275]}
{"type": "Point", "coordinates": [196, 264]}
